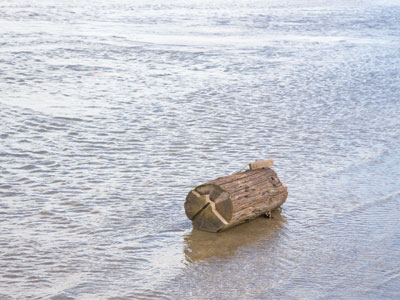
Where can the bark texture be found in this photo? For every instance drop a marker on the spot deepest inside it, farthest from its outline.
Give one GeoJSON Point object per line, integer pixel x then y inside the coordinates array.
{"type": "Point", "coordinates": [228, 201]}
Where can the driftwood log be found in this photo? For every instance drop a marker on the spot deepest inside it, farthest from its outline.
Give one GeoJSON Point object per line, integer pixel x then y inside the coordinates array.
{"type": "Point", "coordinates": [228, 201]}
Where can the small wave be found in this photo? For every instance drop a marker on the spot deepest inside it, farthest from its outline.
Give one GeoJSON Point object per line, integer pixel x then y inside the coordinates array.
{"type": "Point", "coordinates": [28, 167]}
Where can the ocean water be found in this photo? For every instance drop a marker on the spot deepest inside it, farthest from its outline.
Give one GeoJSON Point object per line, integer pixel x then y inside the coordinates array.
{"type": "Point", "coordinates": [111, 111]}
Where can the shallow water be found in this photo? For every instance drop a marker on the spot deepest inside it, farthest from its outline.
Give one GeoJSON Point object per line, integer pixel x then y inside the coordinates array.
{"type": "Point", "coordinates": [111, 111]}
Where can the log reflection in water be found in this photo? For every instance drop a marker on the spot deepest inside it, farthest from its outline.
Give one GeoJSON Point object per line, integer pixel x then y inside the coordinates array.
{"type": "Point", "coordinates": [202, 245]}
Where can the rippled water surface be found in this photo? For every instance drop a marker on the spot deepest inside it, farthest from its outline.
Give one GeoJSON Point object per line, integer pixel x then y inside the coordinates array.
{"type": "Point", "coordinates": [112, 110]}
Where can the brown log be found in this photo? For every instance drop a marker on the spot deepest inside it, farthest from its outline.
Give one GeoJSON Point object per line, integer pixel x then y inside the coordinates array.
{"type": "Point", "coordinates": [231, 200]}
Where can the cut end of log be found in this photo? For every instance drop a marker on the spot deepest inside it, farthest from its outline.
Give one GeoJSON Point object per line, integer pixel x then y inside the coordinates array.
{"type": "Point", "coordinates": [209, 207]}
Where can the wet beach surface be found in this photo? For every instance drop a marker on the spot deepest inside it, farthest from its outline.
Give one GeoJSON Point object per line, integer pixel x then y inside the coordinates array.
{"type": "Point", "coordinates": [111, 111]}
